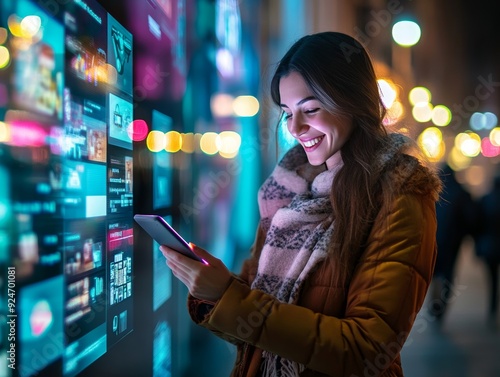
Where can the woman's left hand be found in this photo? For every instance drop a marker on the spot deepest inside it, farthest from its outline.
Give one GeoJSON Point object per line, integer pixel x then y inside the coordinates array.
{"type": "Point", "coordinates": [204, 281]}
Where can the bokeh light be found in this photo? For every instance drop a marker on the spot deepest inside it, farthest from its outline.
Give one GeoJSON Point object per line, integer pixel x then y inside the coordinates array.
{"type": "Point", "coordinates": [469, 143]}
{"type": "Point", "coordinates": [221, 105]}
{"type": "Point", "coordinates": [14, 24]}
{"type": "Point", "coordinates": [107, 73]}
{"type": "Point", "coordinates": [431, 143]}
{"type": "Point", "coordinates": [419, 94]}
{"type": "Point", "coordinates": [208, 143]}
{"type": "Point", "coordinates": [4, 57]}
{"type": "Point", "coordinates": [488, 149]}
{"type": "Point", "coordinates": [422, 112]}
{"type": "Point", "coordinates": [173, 141]}
{"type": "Point", "coordinates": [441, 115]}
{"type": "Point", "coordinates": [138, 130]}
{"type": "Point", "coordinates": [483, 121]}
{"type": "Point", "coordinates": [156, 141]}
{"type": "Point", "coordinates": [245, 106]}
{"type": "Point", "coordinates": [225, 62]}
{"type": "Point", "coordinates": [228, 143]}
{"type": "Point", "coordinates": [188, 143]}
{"type": "Point", "coordinates": [388, 92]}
{"type": "Point", "coordinates": [3, 35]}
{"type": "Point", "coordinates": [457, 161]}
{"type": "Point", "coordinates": [495, 136]}
{"type": "Point", "coordinates": [4, 132]}
{"type": "Point", "coordinates": [30, 26]}
{"type": "Point", "coordinates": [406, 33]}
{"type": "Point", "coordinates": [394, 113]}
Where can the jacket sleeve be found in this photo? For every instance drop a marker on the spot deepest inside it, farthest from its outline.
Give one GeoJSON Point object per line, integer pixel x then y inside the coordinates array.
{"type": "Point", "coordinates": [200, 310]}
{"type": "Point", "coordinates": [386, 292]}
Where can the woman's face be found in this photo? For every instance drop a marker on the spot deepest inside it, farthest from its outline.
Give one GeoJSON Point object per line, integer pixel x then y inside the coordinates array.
{"type": "Point", "coordinates": [320, 133]}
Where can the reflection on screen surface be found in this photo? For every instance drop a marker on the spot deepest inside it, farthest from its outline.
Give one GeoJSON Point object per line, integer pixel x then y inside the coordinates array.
{"type": "Point", "coordinates": [67, 190]}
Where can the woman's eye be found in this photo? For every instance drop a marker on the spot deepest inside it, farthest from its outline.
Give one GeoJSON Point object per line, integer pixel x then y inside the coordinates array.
{"type": "Point", "coordinates": [287, 116]}
{"type": "Point", "coordinates": [311, 111]}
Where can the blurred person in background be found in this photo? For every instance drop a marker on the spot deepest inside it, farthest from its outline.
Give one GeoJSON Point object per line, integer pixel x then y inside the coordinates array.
{"type": "Point", "coordinates": [487, 242]}
{"type": "Point", "coordinates": [346, 243]}
{"type": "Point", "coordinates": [455, 213]}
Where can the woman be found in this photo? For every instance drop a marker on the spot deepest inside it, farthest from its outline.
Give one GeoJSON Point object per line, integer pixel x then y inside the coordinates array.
{"type": "Point", "coordinates": [345, 247]}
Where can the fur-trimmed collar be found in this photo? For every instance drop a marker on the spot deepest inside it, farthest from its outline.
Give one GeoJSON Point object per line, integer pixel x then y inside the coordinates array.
{"type": "Point", "coordinates": [408, 173]}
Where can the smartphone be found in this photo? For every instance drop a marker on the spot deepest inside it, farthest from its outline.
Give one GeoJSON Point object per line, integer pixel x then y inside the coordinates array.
{"type": "Point", "coordinates": [163, 233]}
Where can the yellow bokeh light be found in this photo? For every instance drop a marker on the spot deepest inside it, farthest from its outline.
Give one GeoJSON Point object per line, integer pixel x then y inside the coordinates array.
{"type": "Point", "coordinates": [433, 133]}
{"type": "Point", "coordinates": [173, 141]}
{"type": "Point", "coordinates": [404, 131]}
{"type": "Point", "coordinates": [4, 57]}
{"type": "Point", "coordinates": [221, 105]}
{"type": "Point", "coordinates": [208, 143]}
{"type": "Point", "coordinates": [14, 24]}
{"type": "Point", "coordinates": [4, 132]}
{"type": "Point", "coordinates": [422, 112]}
{"type": "Point", "coordinates": [457, 161]}
{"type": "Point", "coordinates": [495, 136]}
{"type": "Point", "coordinates": [469, 143]}
{"type": "Point", "coordinates": [474, 136]}
{"type": "Point", "coordinates": [188, 142]}
{"type": "Point", "coordinates": [441, 115]}
{"type": "Point", "coordinates": [228, 155]}
{"type": "Point", "coordinates": [394, 113]}
{"type": "Point", "coordinates": [245, 106]}
{"type": "Point", "coordinates": [197, 141]}
{"type": "Point", "coordinates": [419, 94]}
{"type": "Point", "coordinates": [228, 143]}
{"type": "Point", "coordinates": [156, 141]}
{"type": "Point", "coordinates": [388, 92]}
{"type": "Point", "coordinates": [107, 73]}
{"type": "Point", "coordinates": [460, 138]}
{"type": "Point", "coordinates": [431, 143]}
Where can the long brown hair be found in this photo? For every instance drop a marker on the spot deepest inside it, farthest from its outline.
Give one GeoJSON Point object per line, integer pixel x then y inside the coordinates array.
{"type": "Point", "coordinates": [339, 72]}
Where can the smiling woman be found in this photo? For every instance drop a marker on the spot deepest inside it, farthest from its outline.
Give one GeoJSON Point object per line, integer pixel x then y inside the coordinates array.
{"type": "Point", "coordinates": [345, 247]}
{"type": "Point", "coordinates": [321, 133]}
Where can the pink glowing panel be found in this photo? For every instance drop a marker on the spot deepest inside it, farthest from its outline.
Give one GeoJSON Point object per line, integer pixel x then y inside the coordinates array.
{"type": "Point", "coordinates": [27, 134]}
{"type": "Point", "coordinates": [41, 318]}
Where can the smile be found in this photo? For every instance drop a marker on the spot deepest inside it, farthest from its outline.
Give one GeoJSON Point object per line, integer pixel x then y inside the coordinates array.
{"type": "Point", "coordinates": [313, 142]}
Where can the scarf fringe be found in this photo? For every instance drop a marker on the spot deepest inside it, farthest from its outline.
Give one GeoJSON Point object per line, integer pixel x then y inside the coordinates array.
{"type": "Point", "coordinates": [275, 366]}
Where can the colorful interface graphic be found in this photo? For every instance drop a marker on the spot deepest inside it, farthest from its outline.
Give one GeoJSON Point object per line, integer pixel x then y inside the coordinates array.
{"type": "Point", "coordinates": [66, 173]}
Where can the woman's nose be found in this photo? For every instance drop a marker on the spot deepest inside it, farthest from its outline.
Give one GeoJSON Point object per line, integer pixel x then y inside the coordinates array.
{"type": "Point", "coordinates": [296, 126]}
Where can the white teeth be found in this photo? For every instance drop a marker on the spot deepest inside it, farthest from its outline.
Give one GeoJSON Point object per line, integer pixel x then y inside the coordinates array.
{"type": "Point", "coordinates": [310, 143]}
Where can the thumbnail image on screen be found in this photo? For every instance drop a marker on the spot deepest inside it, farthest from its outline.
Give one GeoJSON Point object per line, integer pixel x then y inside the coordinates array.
{"type": "Point", "coordinates": [66, 193]}
{"type": "Point", "coordinates": [37, 78]}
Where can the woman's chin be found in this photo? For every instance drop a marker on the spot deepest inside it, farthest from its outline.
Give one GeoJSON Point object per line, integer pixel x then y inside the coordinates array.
{"type": "Point", "coordinates": [315, 162]}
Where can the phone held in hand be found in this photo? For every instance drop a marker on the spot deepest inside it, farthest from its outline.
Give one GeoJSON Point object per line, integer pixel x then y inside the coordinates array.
{"type": "Point", "coordinates": [163, 233]}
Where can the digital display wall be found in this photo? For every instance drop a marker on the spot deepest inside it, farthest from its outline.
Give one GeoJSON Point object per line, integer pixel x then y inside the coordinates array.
{"type": "Point", "coordinates": [66, 192]}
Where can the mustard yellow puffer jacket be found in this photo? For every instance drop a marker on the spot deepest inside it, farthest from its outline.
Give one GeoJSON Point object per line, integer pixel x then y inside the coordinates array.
{"type": "Point", "coordinates": [356, 333]}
